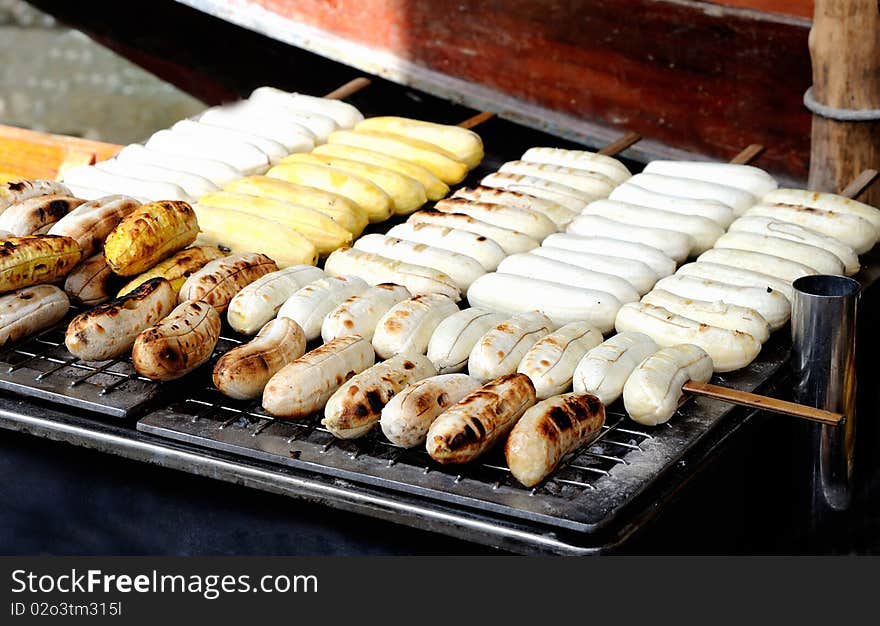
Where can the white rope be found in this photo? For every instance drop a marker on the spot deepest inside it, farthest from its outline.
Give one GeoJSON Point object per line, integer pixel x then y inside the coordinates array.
{"type": "Point", "coordinates": [838, 114]}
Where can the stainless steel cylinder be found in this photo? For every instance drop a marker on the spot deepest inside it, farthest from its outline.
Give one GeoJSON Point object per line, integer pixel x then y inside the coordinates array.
{"type": "Point", "coordinates": [823, 329]}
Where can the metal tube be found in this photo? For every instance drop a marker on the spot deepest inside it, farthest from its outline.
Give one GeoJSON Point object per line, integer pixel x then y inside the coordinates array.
{"type": "Point", "coordinates": [823, 329]}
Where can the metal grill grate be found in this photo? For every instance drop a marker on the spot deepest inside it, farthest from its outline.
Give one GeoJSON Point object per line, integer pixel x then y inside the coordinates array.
{"type": "Point", "coordinates": [583, 494]}
{"type": "Point", "coordinates": [41, 367]}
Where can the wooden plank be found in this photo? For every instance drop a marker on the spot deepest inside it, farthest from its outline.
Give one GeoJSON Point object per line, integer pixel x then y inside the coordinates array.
{"type": "Point", "coordinates": [700, 77]}
{"type": "Point", "coordinates": [31, 154]}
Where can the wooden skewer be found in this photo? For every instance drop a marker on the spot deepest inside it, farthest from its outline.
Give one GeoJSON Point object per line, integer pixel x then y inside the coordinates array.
{"type": "Point", "coordinates": [619, 145]}
{"type": "Point", "coordinates": [859, 184]}
{"type": "Point", "coordinates": [748, 154]}
{"type": "Point", "coordinates": [477, 119]}
{"type": "Point", "coordinates": [350, 88]}
{"type": "Point", "coordinates": [744, 398]}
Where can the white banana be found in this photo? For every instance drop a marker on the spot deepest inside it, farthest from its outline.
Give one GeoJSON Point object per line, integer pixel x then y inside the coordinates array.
{"type": "Point", "coordinates": [376, 269]}
{"type": "Point", "coordinates": [825, 262]}
{"type": "Point", "coordinates": [772, 305]}
{"type": "Point", "coordinates": [486, 251]}
{"type": "Point", "coordinates": [675, 245]}
{"type": "Point", "coordinates": [360, 314]}
{"type": "Point", "coordinates": [636, 273]}
{"type": "Point", "coordinates": [310, 304]}
{"type": "Point", "coordinates": [534, 266]}
{"type": "Point", "coordinates": [302, 388]}
{"type": "Point", "coordinates": [504, 293]}
{"type": "Point", "coordinates": [406, 328]}
{"type": "Point", "coordinates": [511, 241]}
{"type": "Point", "coordinates": [703, 231]}
{"type": "Point", "coordinates": [532, 223]}
{"type": "Point", "coordinates": [793, 232]}
{"type": "Point", "coordinates": [716, 211]}
{"type": "Point", "coordinates": [581, 160]}
{"type": "Point", "coordinates": [736, 199]}
{"type": "Point", "coordinates": [503, 347]}
{"type": "Point", "coordinates": [551, 361]}
{"type": "Point", "coordinates": [604, 369]}
{"type": "Point", "coordinates": [720, 314]}
{"type": "Point", "coordinates": [455, 337]}
{"type": "Point", "coordinates": [654, 390]}
{"type": "Point", "coordinates": [746, 177]}
{"type": "Point", "coordinates": [656, 259]}
{"type": "Point", "coordinates": [462, 269]}
{"type": "Point", "coordinates": [783, 269]}
{"type": "Point", "coordinates": [729, 349]}
{"type": "Point", "coordinates": [259, 302]}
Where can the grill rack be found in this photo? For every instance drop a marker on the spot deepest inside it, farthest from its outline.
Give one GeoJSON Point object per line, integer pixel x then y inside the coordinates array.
{"type": "Point", "coordinates": [584, 494]}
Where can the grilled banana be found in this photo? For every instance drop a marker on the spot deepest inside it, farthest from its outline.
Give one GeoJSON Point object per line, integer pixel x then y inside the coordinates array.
{"type": "Point", "coordinates": [407, 327]}
{"type": "Point", "coordinates": [26, 261]}
{"type": "Point", "coordinates": [324, 233]}
{"type": "Point", "coordinates": [406, 418]}
{"type": "Point", "coordinates": [150, 234]}
{"type": "Point", "coordinates": [462, 269]}
{"type": "Point", "coordinates": [108, 331]}
{"type": "Point", "coordinates": [345, 212]}
{"type": "Point", "coordinates": [179, 343]}
{"type": "Point", "coordinates": [256, 304]}
{"type": "Point", "coordinates": [243, 232]}
{"type": "Point", "coordinates": [90, 282]}
{"type": "Point", "coordinates": [90, 223]}
{"type": "Point", "coordinates": [309, 305]}
{"type": "Point", "coordinates": [30, 310]}
{"type": "Point", "coordinates": [19, 190]}
{"type": "Point", "coordinates": [35, 216]}
{"type": "Point", "coordinates": [376, 269]}
{"type": "Point", "coordinates": [243, 372]}
{"type": "Point", "coordinates": [480, 419]}
{"type": "Point", "coordinates": [302, 388]}
{"type": "Point", "coordinates": [455, 337]}
{"type": "Point", "coordinates": [501, 349]}
{"type": "Point", "coordinates": [178, 268]}
{"type": "Point", "coordinates": [355, 408]}
{"type": "Point", "coordinates": [360, 314]}
{"type": "Point", "coordinates": [219, 280]}
{"type": "Point", "coordinates": [550, 430]}
{"type": "Point", "coordinates": [551, 362]}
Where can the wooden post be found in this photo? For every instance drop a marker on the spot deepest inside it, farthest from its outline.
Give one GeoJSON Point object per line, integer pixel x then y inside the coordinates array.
{"type": "Point", "coordinates": [845, 48]}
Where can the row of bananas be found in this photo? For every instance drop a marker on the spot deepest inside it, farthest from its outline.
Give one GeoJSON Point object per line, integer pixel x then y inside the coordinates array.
{"type": "Point", "coordinates": [309, 205]}
{"type": "Point", "coordinates": [196, 157]}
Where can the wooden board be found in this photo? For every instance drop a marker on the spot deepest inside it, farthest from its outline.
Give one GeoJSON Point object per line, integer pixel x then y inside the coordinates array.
{"type": "Point", "coordinates": [32, 154]}
{"type": "Point", "coordinates": [707, 79]}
